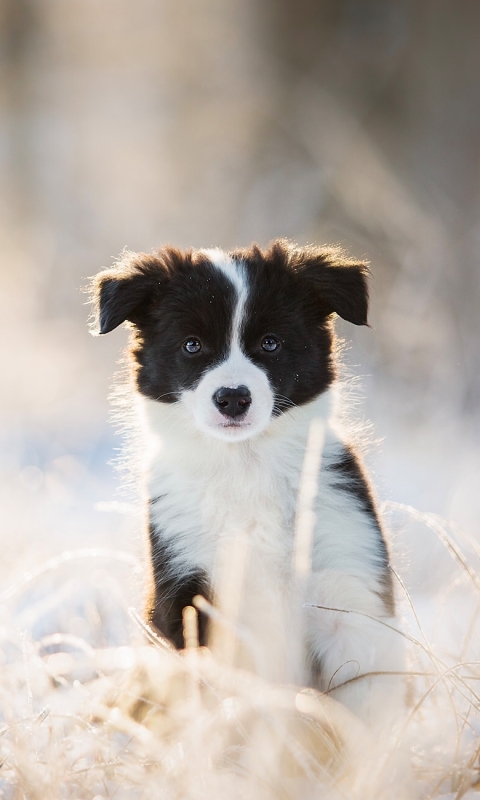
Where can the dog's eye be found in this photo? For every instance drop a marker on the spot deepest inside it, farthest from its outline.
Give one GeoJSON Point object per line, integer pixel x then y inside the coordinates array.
{"type": "Point", "coordinates": [192, 345]}
{"type": "Point", "coordinates": [270, 343]}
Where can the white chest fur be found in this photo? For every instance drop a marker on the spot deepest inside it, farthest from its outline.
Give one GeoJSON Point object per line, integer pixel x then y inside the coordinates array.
{"type": "Point", "coordinates": [206, 491]}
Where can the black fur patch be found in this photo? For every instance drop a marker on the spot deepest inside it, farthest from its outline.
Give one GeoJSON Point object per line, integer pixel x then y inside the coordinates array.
{"type": "Point", "coordinates": [281, 302]}
{"type": "Point", "coordinates": [198, 301]}
{"type": "Point", "coordinates": [129, 290]}
{"type": "Point", "coordinates": [172, 593]}
{"type": "Point", "coordinates": [169, 297]}
{"type": "Point", "coordinates": [353, 480]}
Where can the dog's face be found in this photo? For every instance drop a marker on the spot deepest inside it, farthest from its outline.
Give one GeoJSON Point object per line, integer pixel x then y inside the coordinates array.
{"type": "Point", "coordinates": [238, 338]}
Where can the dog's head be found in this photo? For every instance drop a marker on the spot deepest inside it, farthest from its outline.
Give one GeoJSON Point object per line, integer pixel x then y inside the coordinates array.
{"type": "Point", "coordinates": [238, 337]}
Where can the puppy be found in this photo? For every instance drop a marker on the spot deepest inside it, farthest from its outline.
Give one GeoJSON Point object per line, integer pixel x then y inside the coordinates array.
{"type": "Point", "coordinates": [233, 356]}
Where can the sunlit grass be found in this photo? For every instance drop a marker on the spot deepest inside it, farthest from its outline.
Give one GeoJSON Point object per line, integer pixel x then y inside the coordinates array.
{"type": "Point", "coordinates": [142, 720]}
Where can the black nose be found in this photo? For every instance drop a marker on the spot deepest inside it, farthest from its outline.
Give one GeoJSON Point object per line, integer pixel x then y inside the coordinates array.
{"type": "Point", "coordinates": [232, 402]}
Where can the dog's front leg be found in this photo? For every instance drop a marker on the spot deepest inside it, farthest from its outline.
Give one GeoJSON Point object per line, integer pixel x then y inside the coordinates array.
{"type": "Point", "coordinates": [171, 590]}
{"type": "Point", "coordinates": [356, 650]}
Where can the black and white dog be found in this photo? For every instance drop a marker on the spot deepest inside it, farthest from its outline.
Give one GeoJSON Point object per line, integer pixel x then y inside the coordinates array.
{"type": "Point", "coordinates": [233, 356]}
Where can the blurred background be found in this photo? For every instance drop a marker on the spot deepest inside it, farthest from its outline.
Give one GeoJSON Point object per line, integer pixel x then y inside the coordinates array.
{"type": "Point", "coordinates": [219, 122]}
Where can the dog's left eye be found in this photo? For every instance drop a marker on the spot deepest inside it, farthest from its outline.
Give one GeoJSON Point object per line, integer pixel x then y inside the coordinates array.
{"type": "Point", "coordinates": [192, 345]}
{"type": "Point", "coordinates": [270, 343]}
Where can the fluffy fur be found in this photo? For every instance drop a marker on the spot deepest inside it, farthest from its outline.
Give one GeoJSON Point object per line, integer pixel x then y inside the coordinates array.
{"type": "Point", "coordinates": [233, 357]}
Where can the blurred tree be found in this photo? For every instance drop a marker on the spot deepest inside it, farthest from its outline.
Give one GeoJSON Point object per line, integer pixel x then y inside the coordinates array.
{"type": "Point", "coordinates": [19, 23]}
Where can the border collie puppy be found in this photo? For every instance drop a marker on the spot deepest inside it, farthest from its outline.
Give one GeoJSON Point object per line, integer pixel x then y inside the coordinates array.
{"type": "Point", "coordinates": [233, 356]}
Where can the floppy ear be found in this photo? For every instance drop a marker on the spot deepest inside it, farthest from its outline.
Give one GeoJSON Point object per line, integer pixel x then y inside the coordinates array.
{"type": "Point", "coordinates": [341, 282]}
{"type": "Point", "coordinates": [122, 293]}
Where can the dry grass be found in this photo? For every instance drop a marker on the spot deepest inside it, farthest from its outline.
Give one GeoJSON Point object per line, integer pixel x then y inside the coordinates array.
{"type": "Point", "coordinates": [146, 722]}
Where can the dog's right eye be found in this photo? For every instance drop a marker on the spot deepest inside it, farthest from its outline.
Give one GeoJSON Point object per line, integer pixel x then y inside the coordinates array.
{"type": "Point", "coordinates": [270, 343]}
{"type": "Point", "coordinates": [192, 345]}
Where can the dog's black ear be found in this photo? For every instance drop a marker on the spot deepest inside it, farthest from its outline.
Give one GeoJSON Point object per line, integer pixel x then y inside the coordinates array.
{"type": "Point", "coordinates": [123, 292]}
{"type": "Point", "coordinates": [341, 282]}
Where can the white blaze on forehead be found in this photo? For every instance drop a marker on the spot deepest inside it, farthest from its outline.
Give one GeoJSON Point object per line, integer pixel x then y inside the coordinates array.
{"type": "Point", "coordinates": [236, 370]}
{"type": "Point", "coordinates": [234, 271]}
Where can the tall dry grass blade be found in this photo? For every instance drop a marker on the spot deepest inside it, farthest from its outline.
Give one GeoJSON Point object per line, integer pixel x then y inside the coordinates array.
{"type": "Point", "coordinates": [410, 603]}
{"type": "Point", "coordinates": [435, 661]}
{"type": "Point", "coordinates": [232, 561]}
{"type": "Point", "coordinates": [407, 636]}
{"type": "Point", "coordinates": [304, 528]}
{"type": "Point", "coordinates": [305, 517]}
{"type": "Point", "coordinates": [190, 637]}
{"type": "Point", "coordinates": [151, 634]}
{"type": "Point", "coordinates": [434, 524]}
{"type": "Point", "coordinates": [237, 631]}
{"type": "Point", "coordinates": [190, 627]}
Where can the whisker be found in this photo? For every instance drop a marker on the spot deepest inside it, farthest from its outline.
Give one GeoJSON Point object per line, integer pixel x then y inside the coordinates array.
{"type": "Point", "coordinates": [157, 399]}
{"type": "Point", "coordinates": [281, 398]}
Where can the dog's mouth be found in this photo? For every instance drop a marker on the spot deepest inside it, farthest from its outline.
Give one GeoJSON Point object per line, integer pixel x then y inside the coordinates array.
{"type": "Point", "coordinates": [234, 424]}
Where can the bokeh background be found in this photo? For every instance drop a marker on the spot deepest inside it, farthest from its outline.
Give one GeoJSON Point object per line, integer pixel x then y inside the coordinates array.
{"type": "Point", "coordinates": [219, 122]}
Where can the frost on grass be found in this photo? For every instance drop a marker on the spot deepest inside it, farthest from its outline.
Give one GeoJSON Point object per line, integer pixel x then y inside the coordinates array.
{"type": "Point", "coordinates": [94, 705]}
